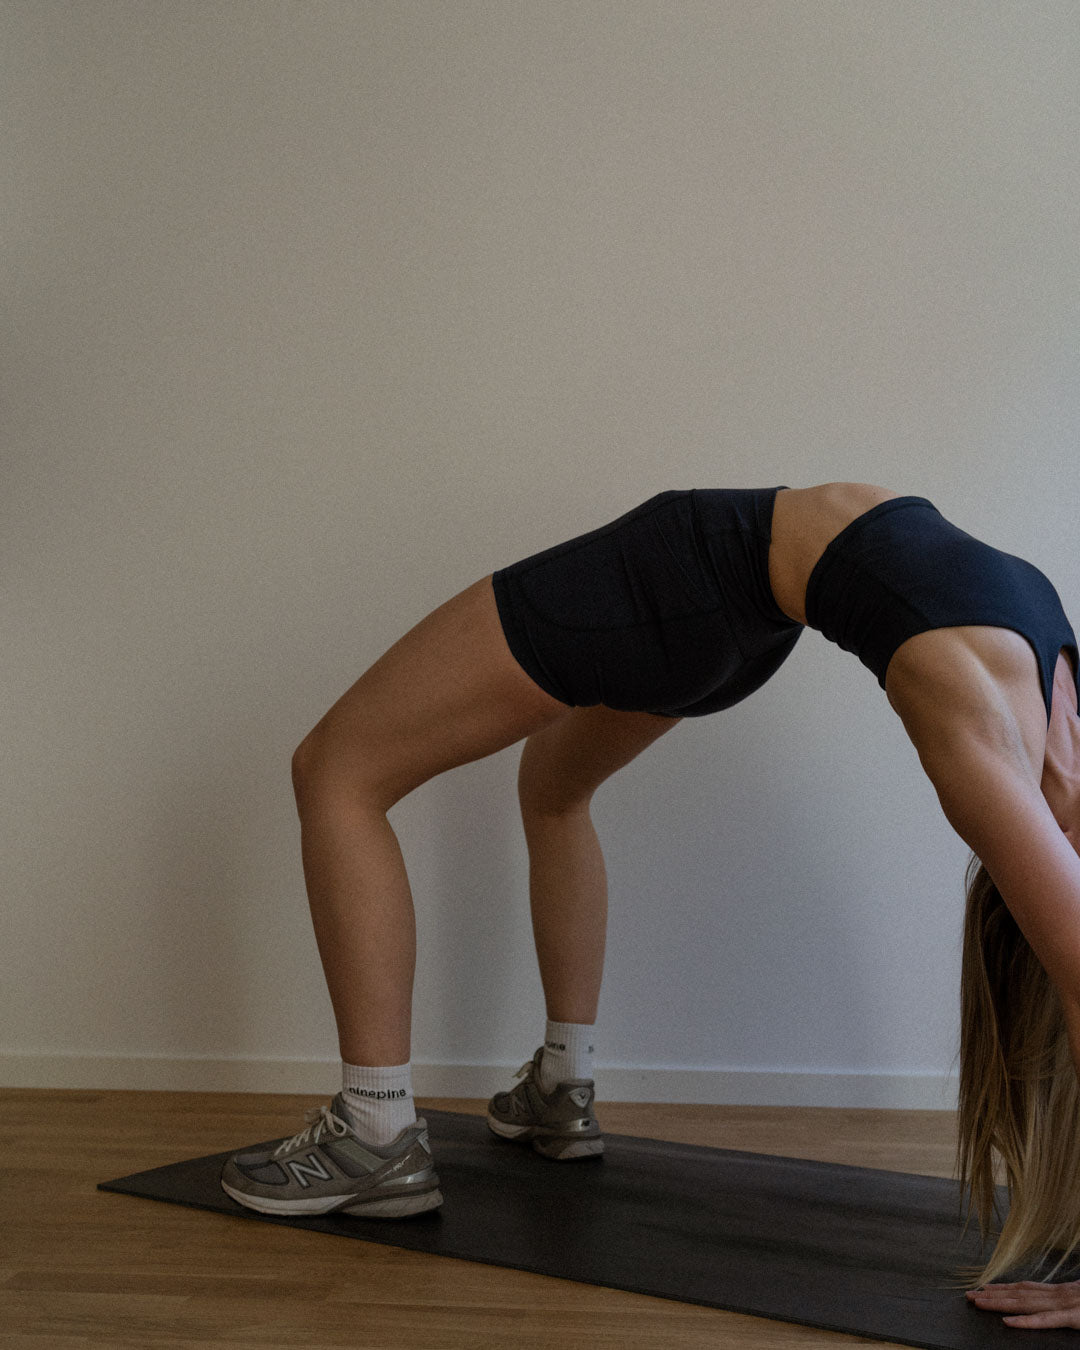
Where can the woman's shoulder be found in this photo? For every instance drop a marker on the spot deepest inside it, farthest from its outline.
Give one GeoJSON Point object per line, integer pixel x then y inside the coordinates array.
{"type": "Point", "coordinates": [970, 686]}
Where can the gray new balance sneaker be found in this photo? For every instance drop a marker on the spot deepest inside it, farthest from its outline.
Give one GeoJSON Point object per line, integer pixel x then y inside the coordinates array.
{"type": "Point", "coordinates": [327, 1168]}
{"type": "Point", "coordinates": [560, 1125]}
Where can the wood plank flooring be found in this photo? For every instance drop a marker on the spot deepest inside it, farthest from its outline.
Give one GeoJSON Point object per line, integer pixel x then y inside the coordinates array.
{"type": "Point", "coordinates": [81, 1269]}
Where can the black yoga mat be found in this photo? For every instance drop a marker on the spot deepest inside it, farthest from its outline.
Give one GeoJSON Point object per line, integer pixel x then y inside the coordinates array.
{"type": "Point", "coordinates": [843, 1248]}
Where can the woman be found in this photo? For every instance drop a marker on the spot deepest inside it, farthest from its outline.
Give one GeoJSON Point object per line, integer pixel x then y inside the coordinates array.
{"type": "Point", "coordinates": [594, 649]}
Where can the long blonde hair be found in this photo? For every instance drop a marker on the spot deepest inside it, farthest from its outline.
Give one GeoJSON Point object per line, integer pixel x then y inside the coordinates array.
{"type": "Point", "coordinates": [1019, 1103]}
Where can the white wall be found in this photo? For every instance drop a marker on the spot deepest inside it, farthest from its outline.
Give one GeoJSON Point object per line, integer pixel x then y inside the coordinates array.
{"type": "Point", "coordinates": [315, 313]}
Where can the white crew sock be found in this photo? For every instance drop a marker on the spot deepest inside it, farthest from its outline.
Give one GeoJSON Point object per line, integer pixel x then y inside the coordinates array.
{"type": "Point", "coordinates": [379, 1101]}
{"type": "Point", "coordinates": [568, 1053]}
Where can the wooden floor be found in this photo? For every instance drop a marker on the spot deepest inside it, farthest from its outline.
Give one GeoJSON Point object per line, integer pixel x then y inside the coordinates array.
{"type": "Point", "coordinates": [82, 1269]}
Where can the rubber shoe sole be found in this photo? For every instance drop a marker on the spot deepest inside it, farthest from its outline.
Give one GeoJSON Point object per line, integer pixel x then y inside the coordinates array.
{"type": "Point", "coordinates": [561, 1147]}
{"type": "Point", "coordinates": [378, 1207]}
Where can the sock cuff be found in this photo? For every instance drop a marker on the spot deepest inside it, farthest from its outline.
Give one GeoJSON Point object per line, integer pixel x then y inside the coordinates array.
{"type": "Point", "coordinates": [569, 1038]}
{"type": "Point", "coordinates": [380, 1083]}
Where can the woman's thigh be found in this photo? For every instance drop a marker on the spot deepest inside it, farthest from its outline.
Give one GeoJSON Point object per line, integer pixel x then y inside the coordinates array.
{"type": "Point", "coordinates": [449, 691]}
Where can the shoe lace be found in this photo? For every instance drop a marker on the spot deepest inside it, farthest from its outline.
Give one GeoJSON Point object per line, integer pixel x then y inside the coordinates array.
{"type": "Point", "coordinates": [517, 1098]}
{"type": "Point", "coordinates": [321, 1121]}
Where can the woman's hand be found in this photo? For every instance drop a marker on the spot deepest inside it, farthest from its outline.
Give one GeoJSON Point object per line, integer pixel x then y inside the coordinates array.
{"type": "Point", "coordinates": [1032, 1305]}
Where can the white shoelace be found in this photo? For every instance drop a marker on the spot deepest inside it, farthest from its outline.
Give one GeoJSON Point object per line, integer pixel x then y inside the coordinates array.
{"type": "Point", "coordinates": [517, 1104]}
{"type": "Point", "coordinates": [322, 1121]}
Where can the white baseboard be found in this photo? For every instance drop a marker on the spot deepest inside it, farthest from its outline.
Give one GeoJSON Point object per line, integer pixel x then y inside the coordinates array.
{"type": "Point", "coordinates": [717, 1087]}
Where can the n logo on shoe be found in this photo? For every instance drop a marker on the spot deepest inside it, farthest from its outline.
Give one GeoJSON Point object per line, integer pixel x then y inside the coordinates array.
{"type": "Point", "coordinates": [579, 1096]}
{"type": "Point", "coordinates": [312, 1168]}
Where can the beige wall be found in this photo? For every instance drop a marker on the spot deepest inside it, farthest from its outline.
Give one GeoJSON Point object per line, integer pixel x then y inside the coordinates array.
{"type": "Point", "coordinates": [316, 312]}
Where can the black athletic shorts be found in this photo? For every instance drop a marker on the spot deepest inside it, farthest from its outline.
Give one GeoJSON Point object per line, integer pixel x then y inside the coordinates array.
{"type": "Point", "coordinates": [667, 609]}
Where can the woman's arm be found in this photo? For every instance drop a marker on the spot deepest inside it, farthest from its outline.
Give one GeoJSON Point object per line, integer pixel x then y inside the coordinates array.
{"type": "Point", "coordinates": [998, 810]}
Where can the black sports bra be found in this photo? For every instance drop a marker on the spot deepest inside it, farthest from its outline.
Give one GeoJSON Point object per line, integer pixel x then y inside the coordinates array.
{"type": "Point", "coordinates": [901, 568]}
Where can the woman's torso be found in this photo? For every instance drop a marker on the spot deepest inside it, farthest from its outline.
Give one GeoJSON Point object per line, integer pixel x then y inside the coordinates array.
{"type": "Point", "coordinates": [939, 682]}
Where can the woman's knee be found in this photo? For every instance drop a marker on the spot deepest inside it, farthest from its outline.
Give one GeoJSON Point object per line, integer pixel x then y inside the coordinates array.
{"type": "Point", "coordinates": [305, 761]}
{"type": "Point", "coordinates": [343, 763]}
{"type": "Point", "coordinates": [562, 765]}
{"type": "Point", "coordinates": [322, 764]}
{"type": "Point", "coordinates": [544, 788]}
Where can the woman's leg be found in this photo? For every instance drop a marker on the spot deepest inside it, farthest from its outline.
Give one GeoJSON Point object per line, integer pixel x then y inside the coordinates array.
{"type": "Point", "coordinates": [446, 693]}
{"type": "Point", "coordinates": [568, 899]}
{"type": "Point", "coordinates": [561, 767]}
